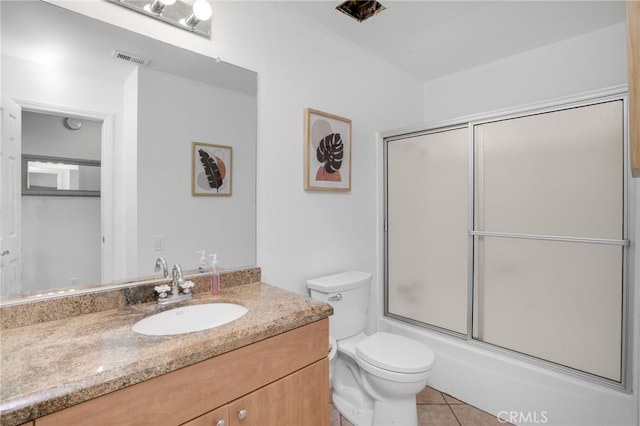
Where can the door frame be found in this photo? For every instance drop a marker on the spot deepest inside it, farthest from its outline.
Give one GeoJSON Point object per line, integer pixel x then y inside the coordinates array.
{"type": "Point", "coordinates": [106, 169]}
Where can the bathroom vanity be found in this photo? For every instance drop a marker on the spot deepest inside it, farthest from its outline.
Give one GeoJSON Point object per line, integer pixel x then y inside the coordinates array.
{"type": "Point", "coordinates": [268, 367]}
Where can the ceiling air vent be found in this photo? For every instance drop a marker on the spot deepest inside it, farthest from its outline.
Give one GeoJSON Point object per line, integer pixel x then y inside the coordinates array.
{"type": "Point", "coordinates": [130, 58]}
{"type": "Point", "coordinates": [360, 10]}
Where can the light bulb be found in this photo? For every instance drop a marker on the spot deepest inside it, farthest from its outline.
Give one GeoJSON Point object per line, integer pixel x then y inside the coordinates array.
{"type": "Point", "coordinates": [202, 10]}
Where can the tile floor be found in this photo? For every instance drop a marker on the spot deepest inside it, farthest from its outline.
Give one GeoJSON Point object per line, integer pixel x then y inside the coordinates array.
{"type": "Point", "coordinates": [436, 409]}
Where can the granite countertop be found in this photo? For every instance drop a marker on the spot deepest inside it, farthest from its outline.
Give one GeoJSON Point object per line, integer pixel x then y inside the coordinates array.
{"type": "Point", "coordinates": [52, 365]}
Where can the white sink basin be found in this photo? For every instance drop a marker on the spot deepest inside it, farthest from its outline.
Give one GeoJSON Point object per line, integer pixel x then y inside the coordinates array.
{"type": "Point", "coordinates": [187, 319]}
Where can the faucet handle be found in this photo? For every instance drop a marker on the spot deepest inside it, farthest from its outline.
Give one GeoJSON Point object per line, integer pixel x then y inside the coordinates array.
{"type": "Point", "coordinates": [162, 290]}
{"type": "Point", "coordinates": [186, 286]}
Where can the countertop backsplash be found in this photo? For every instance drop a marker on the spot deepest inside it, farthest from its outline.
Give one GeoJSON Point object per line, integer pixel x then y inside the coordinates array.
{"type": "Point", "coordinates": [55, 308]}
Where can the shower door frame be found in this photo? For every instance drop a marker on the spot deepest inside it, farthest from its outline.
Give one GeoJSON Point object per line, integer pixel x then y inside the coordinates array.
{"type": "Point", "coordinates": [614, 94]}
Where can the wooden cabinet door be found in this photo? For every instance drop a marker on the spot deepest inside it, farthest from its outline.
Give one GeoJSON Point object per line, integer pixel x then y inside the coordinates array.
{"type": "Point", "coordinates": [218, 417]}
{"type": "Point", "coordinates": [300, 399]}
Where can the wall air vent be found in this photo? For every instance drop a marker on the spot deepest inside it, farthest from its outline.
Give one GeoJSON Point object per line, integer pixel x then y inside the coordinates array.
{"type": "Point", "coordinates": [123, 56]}
{"type": "Point", "coordinates": [360, 10]}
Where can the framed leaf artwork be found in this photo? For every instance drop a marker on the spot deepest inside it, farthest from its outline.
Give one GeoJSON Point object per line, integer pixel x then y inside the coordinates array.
{"type": "Point", "coordinates": [327, 151]}
{"type": "Point", "coordinates": [211, 168]}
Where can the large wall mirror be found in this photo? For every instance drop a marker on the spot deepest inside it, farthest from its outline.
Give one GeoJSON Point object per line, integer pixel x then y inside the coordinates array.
{"type": "Point", "coordinates": [68, 79]}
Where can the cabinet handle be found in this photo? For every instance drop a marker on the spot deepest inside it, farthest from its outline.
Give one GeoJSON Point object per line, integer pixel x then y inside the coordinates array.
{"type": "Point", "coordinates": [242, 414]}
{"type": "Point", "coordinates": [221, 423]}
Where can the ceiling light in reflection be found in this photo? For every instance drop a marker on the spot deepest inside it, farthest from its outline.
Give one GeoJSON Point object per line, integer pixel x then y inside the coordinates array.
{"type": "Point", "coordinates": [201, 12]}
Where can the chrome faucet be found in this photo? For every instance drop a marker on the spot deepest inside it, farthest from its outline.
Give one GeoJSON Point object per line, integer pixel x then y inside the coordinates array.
{"type": "Point", "coordinates": [178, 280]}
{"type": "Point", "coordinates": [161, 263]}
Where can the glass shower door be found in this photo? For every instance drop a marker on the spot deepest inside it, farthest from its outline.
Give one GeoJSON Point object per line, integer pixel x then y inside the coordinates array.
{"type": "Point", "coordinates": [427, 241]}
{"type": "Point", "coordinates": [548, 236]}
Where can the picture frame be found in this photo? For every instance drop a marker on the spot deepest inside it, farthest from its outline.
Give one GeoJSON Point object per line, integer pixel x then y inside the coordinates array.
{"type": "Point", "coordinates": [327, 151]}
{"type": "Point", "coordinates": [211, 169]}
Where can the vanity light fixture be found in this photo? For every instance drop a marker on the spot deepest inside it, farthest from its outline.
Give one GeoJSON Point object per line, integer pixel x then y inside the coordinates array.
{"type": "Point", "coordinates": [157, 6]}
{"type": "Point", "coordinates": [186, 14]}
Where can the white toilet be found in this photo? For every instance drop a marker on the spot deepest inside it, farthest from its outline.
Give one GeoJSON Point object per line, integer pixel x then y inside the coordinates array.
{"type": "Point", "coordinates": [374, 378]}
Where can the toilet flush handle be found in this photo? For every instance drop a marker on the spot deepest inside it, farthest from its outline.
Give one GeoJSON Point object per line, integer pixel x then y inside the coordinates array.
{"type": "Point", "coordinates": [335, 297]}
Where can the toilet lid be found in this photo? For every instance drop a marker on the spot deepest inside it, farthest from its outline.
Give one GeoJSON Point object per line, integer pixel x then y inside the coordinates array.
{"type": "Point", "coordinates": [395, 353]}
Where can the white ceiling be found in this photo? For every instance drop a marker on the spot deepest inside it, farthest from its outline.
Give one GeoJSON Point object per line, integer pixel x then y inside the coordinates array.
{"type": "Point", "coordinates": [430, 39]}
{"type": "Point", "coordinates": [427, 39]}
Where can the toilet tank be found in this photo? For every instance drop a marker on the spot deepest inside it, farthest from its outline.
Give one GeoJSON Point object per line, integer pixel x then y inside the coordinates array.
{"type": "Point", "coordinates": [348, 293]}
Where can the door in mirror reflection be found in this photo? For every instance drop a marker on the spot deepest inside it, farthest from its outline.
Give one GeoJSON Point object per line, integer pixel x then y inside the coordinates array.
{"type": "Point", "coordinates": [61, 206]}
{"type": "Point", "coordinates": [10, 267]}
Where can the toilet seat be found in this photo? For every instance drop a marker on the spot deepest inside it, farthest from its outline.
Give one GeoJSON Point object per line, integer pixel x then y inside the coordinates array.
{"type": "Point", "coordinates": [395, 353]}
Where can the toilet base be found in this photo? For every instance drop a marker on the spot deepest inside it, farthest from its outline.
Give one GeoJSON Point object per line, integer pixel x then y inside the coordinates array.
{"type": "Point", "coordinates": [362, 408]}
{"type": "Point", "coordinates": [357, 416]}
{"type": "Point", "coordinates": [397, 413]}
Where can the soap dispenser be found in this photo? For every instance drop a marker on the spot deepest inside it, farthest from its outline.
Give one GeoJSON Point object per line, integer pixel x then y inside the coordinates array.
{"type": "Point", "coordinates": [215, 275]}
{"type": "Point", "coordinates": [202, 264]}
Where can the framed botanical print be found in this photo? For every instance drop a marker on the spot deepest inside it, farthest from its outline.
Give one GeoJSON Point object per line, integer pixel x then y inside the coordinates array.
{"type": "Point", "coordinates": [327, 151]}
{"type": "Point", "coordinates": [211, 168]}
